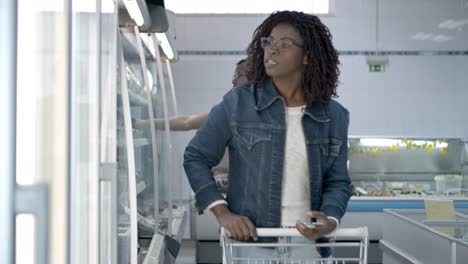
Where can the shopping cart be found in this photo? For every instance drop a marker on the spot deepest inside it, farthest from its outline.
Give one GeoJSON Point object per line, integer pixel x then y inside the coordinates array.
{"type": "Point", "coordinates": [355, 238]}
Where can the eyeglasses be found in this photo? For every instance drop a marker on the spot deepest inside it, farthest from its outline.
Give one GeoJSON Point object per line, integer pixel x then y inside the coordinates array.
{"type": "Point", "coordinates": [285, 43]}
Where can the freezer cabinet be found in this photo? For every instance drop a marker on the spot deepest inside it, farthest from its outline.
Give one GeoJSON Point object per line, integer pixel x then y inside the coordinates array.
{"type": "Point", "coordinates": [409, 238]}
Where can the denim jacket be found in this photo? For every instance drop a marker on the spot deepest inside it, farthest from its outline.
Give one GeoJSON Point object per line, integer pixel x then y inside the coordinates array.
{"type": "Point", "coordinates": [250, 121]}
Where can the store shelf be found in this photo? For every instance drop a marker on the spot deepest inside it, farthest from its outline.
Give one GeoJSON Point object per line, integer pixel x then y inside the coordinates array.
{"type": "Point", "coordinates": [140, 142]}
{"type": "Point", "coordinates": [130, 48]}
{"type": "Point", "coordinates": [137, 143]}
{"type": "Point", "coordinates": [165, 248]}
{"type": "Point", "coordinates": [136, 98]}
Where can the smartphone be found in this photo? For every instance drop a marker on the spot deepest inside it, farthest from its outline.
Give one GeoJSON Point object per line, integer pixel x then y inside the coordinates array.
{"type": "Point", "coordinates": [310, 224]}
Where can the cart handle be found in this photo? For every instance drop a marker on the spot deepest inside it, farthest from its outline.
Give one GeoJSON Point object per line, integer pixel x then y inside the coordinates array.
{"type": "Point", "coordinates": [357, 232]}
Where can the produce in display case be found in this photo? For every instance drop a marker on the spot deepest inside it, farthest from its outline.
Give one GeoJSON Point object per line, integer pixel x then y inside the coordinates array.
{"type": "Point", "coordinates": [392, 167]}
{"type": "Point", "coordinates": [389, 167]}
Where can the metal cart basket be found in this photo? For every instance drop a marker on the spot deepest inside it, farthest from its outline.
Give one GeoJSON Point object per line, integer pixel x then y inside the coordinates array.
{"type": "Point", "coordinates": [290, 246]}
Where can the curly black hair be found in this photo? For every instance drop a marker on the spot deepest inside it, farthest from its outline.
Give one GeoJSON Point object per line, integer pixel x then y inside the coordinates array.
{"type": "Point", "coordinates": [321, 73]}
{"type": "Point", "coordinates": [241, 61]}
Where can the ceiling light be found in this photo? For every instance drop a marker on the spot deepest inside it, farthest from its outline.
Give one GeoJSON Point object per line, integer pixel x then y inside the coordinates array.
{"type": "Point", "coordinates": [441, 38]}
{"type": "Point", "coordinates": [446, 23]}
{"type": "Point", "coordinates": [148, 42]}
{"type": "Point", "coordinates": [134, 11]}
{"type": "Point", "coordinates": [378, 142]}
{"type": "Point", "coordinates": [165, 45]}
{"type": "Point", "coordinates": [452, 24]}
{"type": "Point", "coordinates": [248, 6]}
{"type": "Point", "coordinates": [385, 142]}
{"type": "Point", "coordinates": [422, 36]}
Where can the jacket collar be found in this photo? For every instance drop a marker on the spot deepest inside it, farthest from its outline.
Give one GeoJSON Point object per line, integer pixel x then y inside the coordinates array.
{"type": "Point", "coordinates": [267, 95]}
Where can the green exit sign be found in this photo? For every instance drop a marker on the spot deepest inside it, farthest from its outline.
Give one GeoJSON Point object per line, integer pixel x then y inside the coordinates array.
{"type": "Point", "coordinates": [376, 67]}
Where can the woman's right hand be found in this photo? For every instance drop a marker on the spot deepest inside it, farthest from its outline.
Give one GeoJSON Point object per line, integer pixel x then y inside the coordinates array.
{"type": "Point", "coordinates": [240, 227]}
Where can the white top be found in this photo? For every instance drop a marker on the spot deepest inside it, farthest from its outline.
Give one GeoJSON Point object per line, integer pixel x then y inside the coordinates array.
{"type": "Point", "coordinates": [295, 193]}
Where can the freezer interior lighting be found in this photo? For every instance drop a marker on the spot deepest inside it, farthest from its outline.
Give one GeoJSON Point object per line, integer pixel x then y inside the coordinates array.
{"type": "Point", "coordinates": [166, 47]}
{"type": "Point", "coordinates": [134, 11]}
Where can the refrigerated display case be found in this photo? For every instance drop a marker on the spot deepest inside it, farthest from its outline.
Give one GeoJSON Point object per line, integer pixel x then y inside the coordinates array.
{"type": "Point", "coordinates": [400, 173]}
{"type": "Point", "coordinates": [407, 169]}
{"type": "Point", "coordinates": [84, 177]}
{"type": "Point", "coordinates": [148, 208]}
{"type": "Point", "coordinates": [408, 237]}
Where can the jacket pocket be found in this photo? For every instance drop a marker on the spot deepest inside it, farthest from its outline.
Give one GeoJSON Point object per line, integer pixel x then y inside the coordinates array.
{"type": "Point", "coordinates": [250, 136]}
{"type": "Point", "coordinates": [335, 147]}
{"type": "Point", "coordinates": [330, 147]}
{"type": "Point", "coordinates": [329, 150]}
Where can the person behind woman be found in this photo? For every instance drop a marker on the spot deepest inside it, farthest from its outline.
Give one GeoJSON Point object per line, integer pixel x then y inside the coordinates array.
{"type": "Point", "coordinates": [287, 137]}
{"type": "Point", "coordinates": [195, 121]}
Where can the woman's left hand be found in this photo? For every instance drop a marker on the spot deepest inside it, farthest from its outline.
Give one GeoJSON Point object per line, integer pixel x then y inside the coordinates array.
{"type": "Point", "coordinates": [324, 226]}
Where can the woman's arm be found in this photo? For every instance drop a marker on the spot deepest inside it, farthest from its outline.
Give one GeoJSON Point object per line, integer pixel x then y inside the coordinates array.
{"type": "Point", "coordinates": [176, 123]}
{"type": "Point", "coordinates": [336, 191]}
{"type": "Point", "coordinates": [204, 151]}
{"type": "Point", "coordinates": [193, 121]}
{"type": "Point", "coordinates": [336, 188]}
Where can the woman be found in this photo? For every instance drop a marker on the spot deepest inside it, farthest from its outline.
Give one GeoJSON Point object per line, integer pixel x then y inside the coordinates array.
{"type": "Point", "coordinates": [287, 138]}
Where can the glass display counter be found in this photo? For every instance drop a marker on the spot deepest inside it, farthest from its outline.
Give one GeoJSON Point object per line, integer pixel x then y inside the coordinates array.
{"type": "Point", "coordinates": [148, 206]}
{"type": "Point", "coordinates": [399, 173]}
{"type": "Point", "coordinates": [402, 172]}
{"type": "Point", "coordinates": [409, 238]}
